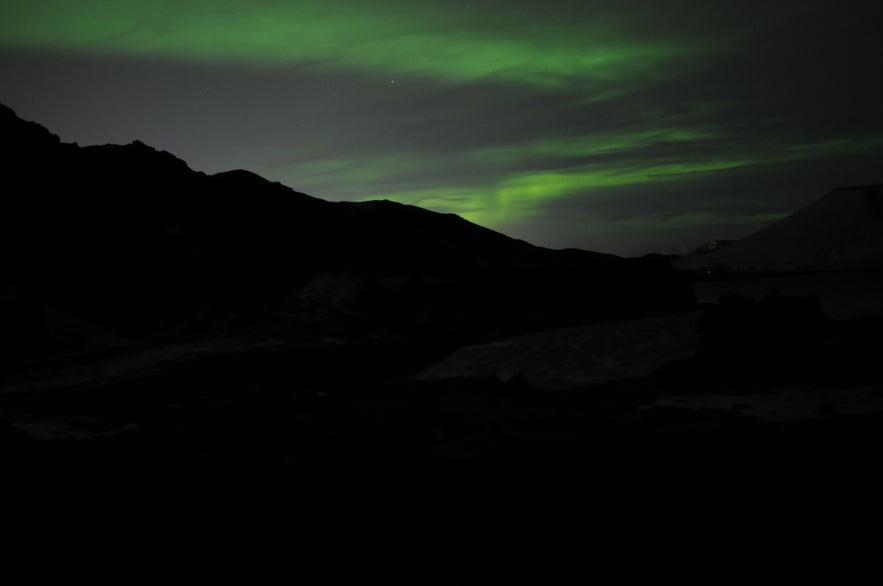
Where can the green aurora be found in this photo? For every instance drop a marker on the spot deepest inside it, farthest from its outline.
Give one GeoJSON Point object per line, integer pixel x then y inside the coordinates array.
{"type": "Point", "coordinates": [452, 41]}
{"type": "Point", "coordinates": [558, 112]}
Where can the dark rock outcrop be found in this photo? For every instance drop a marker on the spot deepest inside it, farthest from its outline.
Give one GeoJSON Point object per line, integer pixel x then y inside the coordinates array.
{"type": "Point", "coordinates": [740, 337]}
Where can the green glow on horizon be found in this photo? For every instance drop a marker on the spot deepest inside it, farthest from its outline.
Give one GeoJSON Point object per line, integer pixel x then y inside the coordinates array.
{"type": "Point", "coordinates": [439, 40]}
{"type": "Point", "coordinates": [517, 195]}
{"type": "Point", "coordinates": [514, 189]}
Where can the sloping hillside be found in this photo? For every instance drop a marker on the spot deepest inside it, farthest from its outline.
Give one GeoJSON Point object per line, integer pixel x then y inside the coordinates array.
{"type": "Point", "coordinates": [107, 245]}
{"type": "Point", "coordinates": [842, 230]}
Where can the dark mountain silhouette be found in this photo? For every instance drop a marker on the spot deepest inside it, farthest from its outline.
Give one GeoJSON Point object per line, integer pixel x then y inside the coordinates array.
{"type": "Point", "coordinates": [303, 324]}
{"type": "Point", "coordinates": [109, 245]}
{"type": "Point", "coordinates": [841, 230]}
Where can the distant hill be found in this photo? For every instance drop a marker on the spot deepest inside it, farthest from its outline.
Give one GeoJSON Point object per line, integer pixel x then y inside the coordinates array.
{"type": "Point", "coordinates": [841, 230]}
{"type": "Point", "coordinates": [712, 246]}
{"type": "Point", "coordinates": [106, 245]}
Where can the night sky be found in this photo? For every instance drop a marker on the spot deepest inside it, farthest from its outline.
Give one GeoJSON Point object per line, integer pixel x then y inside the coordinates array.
{"type": "Point", "coordinates": [627, 126]}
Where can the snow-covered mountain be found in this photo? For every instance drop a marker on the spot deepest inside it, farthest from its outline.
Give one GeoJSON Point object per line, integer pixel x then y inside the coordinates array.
{"type": "Point", "coordinates": [841, 230]}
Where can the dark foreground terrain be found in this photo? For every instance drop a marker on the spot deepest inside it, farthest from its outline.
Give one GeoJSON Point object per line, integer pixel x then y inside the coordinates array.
{"type": "Point", "coordinates": [162, 324]}
{"type": "Point", "coordinates": [760, 396]}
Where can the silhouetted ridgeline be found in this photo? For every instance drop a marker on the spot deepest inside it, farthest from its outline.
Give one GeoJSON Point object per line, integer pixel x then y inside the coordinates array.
{"type": "Point", "coordinates": [127, 242]}
{"type": "Point", "coordinates": [839, 231]}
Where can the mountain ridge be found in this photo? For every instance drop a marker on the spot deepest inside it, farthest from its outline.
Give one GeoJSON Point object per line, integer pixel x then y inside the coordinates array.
{"type": "Point", "coordinates": [843, 229]}
{"type": "Point", "coordinates": [130, 239]}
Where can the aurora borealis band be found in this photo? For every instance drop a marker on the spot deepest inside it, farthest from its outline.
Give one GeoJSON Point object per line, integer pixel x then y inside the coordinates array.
{"type": "Point", "coordinates": [627, 126]}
